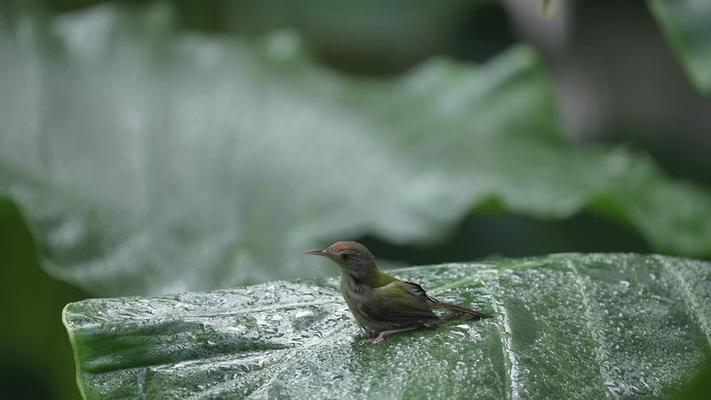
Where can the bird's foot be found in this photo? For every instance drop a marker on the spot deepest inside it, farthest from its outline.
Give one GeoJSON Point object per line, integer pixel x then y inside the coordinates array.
{"type": "Point", "coordinates": [378, 339]}
{"type": "Point", "coordinates": [382, 335]}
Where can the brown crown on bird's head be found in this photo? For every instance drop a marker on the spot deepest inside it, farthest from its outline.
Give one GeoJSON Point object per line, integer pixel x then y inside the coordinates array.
{"type": "Point", "coordinates": [350, 255]}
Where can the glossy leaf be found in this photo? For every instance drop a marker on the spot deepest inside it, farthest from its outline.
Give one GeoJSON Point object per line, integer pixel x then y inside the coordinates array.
{"type": "Point", "coordinates": [563, 326]}
{"type": "Point", "coordinates": [686, 26]}
{"type": "Point", "coordinates": [153, 162]}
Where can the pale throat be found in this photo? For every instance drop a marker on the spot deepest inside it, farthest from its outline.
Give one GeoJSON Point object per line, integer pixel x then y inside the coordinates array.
{"type": "Point", "coordinates": [361, 273]}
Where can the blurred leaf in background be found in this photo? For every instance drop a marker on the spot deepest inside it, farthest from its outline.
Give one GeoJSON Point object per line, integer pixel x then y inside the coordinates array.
{"type": "Point", "coordinates": [686, 26]}
{"type": "Point", "coordinates": [35, 361]}
{"type": "Point", "coordinates": [619, 80]}
{"type": "Point", "coordinates": [151, 161]}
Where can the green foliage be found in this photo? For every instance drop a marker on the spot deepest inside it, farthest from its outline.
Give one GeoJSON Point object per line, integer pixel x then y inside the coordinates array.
{"type": "Point", "coordinates": [364, 34]}
{"type": "Point", "coordinates": [150, 161]}
{"type": "Point", "coordinates": [686, 26]}
{"type": "Point", "coordinates": [35, 360]}
{"type": "Point", "coordinates": [564, 326]}
{"type": "Point", "coordinates": [700, 387]}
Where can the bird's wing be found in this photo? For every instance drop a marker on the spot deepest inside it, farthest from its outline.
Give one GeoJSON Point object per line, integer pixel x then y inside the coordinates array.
{"type": "Point", "coordinates": [400, 303]}
{"type": "Point", "coordinates": [419, 291]}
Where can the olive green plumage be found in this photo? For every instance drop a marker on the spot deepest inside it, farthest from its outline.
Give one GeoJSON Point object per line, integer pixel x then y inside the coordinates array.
{"type": "Point", "coordinates": [383, 304]}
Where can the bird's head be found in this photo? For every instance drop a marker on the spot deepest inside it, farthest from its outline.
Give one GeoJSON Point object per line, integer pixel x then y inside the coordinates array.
{"type": "Point", "coordinates": [352, 257]}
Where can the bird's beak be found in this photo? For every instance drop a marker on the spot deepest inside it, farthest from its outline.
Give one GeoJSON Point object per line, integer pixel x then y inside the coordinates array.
{"type": "Point", "coordinates": [317, 253]}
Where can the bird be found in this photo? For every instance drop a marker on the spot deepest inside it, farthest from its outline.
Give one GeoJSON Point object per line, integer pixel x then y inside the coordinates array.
{"type": "Point", "coordinates": [380, 303]}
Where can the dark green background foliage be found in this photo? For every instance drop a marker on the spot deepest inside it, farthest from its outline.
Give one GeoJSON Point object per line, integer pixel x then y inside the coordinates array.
{"type": "Point", "coordinates": [34, 359]}
{"type": "Point", "coordinates": [161, 147]}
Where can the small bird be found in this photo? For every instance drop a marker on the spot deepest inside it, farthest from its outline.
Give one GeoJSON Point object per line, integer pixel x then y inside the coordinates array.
{"type": "Point", "coordinates": [382, 304]}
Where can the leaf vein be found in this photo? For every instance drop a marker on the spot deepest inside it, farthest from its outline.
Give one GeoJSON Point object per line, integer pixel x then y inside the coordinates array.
{"type": "Point", "coordinates": [689, 299]}
{"type": "Point", "coordinates": [591, 324]}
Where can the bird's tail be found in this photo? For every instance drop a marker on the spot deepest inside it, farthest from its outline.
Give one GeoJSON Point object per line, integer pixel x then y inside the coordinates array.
{"type": "Point", "coordinates": [459, 311]}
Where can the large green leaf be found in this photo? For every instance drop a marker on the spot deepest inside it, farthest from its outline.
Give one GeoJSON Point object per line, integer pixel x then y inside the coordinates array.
{"type": "Point", "coordinates": [154, 162]}
{"type": "Point", "coordinates": [686, 26]}
{"type": "Point", "coordinates": [563, 326]}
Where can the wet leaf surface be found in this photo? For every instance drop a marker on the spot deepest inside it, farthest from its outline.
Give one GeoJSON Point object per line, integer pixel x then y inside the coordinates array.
{"type": "Point", "coordinates": [564, 326]}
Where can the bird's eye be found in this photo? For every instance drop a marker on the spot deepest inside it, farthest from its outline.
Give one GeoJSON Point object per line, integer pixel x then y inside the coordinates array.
{"type": "Point", "coordinates": [346, 256]}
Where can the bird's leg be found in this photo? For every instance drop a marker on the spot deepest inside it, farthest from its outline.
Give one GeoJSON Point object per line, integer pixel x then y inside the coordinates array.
{"type": "Point", "coordinates": [382, 335]}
